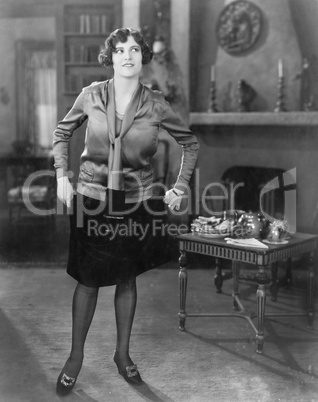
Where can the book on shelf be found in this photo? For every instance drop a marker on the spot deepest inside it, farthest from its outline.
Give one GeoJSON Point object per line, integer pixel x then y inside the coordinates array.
{"type": "Point", "coordinates": [73, 82]}
{"type": "Point", "coordinates": [87, 23]}
{"type": "Point", "coordinates": [92, 53]}
{"type": "Point", "coordinates": [74, 53]}
{"type": "Point", "coordinates": [71, 23]}
{"type": "Point", "coordinates": [95, 23]}
{"type": "Point", "coordinates": [84, 23]}
{"type": "Point", "coordinates": [89, 79]}
{"type": "Point", "coordinates": [82, 53]}
{"type": "Point", "coordinates": [105, 25]}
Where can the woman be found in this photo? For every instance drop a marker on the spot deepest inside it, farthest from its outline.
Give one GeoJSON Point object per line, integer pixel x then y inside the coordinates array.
{"type": "Point", "coordinates": [115, 181]}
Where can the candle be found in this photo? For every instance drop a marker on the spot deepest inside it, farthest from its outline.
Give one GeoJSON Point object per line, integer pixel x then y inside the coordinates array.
{"type": "Point", "coordinates": [213, 73]}
{"type": "Point", "coordinates": [280, 68]}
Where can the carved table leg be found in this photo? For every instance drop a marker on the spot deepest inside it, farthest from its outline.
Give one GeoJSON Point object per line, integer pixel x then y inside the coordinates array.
{"type": "Point", "coordinates": [261, 301]}
{"type": "Point", "coordinates": [218, 278]}
{"type": "Point", "coordinates": [236, 266]}
{"type": "Point", "coordinates": [311, 286]}
{"type": "Point", "coordinates": [183, 280]}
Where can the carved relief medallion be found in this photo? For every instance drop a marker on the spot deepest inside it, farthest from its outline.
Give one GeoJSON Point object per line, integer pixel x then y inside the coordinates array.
{"type": "Point", "coordinates": [238, 27]}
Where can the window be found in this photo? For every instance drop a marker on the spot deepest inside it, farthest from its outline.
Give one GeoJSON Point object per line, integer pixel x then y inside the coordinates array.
{"type": "Point", "coordinates": [36, 94]}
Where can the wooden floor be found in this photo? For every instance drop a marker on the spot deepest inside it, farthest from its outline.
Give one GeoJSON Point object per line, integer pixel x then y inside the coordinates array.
{"type": "Point", "coordinates": [213, 360]}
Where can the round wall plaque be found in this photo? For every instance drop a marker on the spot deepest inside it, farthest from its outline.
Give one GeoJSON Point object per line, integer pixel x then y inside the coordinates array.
{"type": "Point", "coordinates": [239, 26]}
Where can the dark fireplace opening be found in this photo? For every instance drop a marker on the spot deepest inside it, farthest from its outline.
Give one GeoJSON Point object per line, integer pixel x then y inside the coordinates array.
{"type": "Point", "coordinates": [247, 184]}
{"type": "Point", "coordinates": [249, 188]}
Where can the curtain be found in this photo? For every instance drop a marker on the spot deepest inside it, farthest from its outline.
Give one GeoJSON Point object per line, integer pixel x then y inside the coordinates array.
{"type": "Point", "coordinates": [41, 114]}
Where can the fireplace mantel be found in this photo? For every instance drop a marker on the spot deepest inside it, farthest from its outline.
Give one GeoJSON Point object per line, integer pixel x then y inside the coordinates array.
{"type": "Point", "coordinates": [255, 119]}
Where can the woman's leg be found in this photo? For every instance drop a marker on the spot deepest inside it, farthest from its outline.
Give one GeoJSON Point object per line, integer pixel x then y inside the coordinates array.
{"type": "Point", "coordinates": [125, 306]}
{"type": "Point", "coordinates": [83, 309]}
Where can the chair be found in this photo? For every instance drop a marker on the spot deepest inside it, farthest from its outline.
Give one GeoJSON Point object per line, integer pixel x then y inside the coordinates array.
{"type": "Point", "coordinates": [40, 194]}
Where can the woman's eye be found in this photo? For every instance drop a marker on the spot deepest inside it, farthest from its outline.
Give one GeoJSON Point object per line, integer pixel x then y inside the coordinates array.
{"type": "Point", "coordinates": [135, 49]}
{"type": "Point", "coordinates": [118, 51]}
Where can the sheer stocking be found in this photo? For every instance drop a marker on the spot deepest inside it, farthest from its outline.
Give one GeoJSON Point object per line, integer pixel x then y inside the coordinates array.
{"type": "Point", "coordinates": [125, 307]}
{"type": "Point", "coordinates": [84, 304]}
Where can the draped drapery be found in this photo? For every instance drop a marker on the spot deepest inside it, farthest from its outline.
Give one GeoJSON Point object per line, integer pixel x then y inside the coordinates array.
{"type": "Point", "coordinates": [43, 68]}
{"type": "Point", "coordinates": [37, 94]}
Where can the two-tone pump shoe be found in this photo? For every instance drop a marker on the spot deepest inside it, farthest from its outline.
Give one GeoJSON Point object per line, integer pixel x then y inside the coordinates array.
{"type": "Point", "coordinates": [129, 373]}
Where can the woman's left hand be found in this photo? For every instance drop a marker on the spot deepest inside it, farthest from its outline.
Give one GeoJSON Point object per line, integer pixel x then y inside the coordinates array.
{"type": "Point", "coordinates": [173, 198]}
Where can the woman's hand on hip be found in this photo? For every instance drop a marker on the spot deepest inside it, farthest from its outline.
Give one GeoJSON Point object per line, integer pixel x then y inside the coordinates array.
{"type": "Point", "coordinates": [65, 191]}
{"type": "Point", "coordinates": [173, 198]}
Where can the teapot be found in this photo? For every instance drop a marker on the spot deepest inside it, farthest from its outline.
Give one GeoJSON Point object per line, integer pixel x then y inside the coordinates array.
{"type": "Point", "coordinates": [232, 215]}
{"type": "Point", "coordinates": [251, 224]}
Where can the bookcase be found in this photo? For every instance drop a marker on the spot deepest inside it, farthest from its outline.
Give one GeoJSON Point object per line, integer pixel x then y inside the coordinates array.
{"type": "Point", "coordinates": [82, 27]}
{"type": "Point", "coordinates": [85, 30]}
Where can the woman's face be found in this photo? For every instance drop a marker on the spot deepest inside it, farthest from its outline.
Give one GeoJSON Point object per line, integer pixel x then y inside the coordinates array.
{"type": "Point", "coordinates": [127, 58]}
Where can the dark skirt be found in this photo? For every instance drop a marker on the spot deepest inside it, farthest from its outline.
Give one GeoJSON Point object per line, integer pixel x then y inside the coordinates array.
{"type": "Point", "coordinates": [106, 250]}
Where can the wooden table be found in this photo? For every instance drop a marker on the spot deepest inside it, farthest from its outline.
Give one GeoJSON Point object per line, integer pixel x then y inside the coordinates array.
{"type": "Point", "coordinates": [299, 243]}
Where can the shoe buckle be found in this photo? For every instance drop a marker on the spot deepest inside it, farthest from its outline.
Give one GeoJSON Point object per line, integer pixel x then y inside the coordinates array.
{"type": "Point", "coordinates": [132, 371]}
{"type": "Point", "coordinates": [67, 381]}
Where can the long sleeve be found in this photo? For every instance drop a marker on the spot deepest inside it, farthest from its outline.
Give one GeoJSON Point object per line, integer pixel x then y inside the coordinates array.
{"type": "Point", "coordinates": [188, 141]}
{"type": "Point", "coordinates": [63, 133]}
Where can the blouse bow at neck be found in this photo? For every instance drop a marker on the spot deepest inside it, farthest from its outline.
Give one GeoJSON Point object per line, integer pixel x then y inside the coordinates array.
{"type": "Point", "coordinates": [115, 170]}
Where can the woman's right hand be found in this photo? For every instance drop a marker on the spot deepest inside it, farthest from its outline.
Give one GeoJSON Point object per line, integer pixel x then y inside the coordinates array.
{"type": "Point", "coordinates": [65, 191]}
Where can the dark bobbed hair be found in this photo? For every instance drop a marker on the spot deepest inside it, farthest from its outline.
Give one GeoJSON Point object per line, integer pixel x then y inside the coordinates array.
{"type": "Point", "coordinates": [105, 56]}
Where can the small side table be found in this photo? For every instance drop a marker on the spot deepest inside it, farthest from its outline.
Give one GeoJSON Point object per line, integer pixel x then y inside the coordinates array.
{"type": "Point", "coordinates": [299, 243]}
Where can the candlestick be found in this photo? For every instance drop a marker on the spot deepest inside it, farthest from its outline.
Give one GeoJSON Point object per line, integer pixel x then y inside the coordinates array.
{"type": "Point", "coordinates": [280, 105]}
{"type": "Point", "coordinates": [213, 73]}
{"type": "Point", "coordinates": [280, 68]}
{"type": "Point", "coordinates": [306, 95]}
{"type": "Point", "coordinates": [212, 98]}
